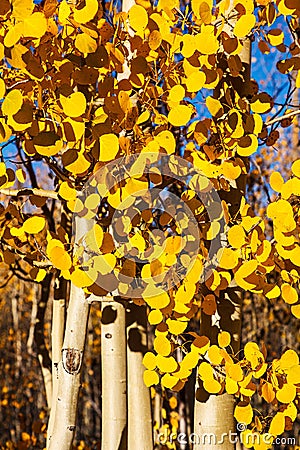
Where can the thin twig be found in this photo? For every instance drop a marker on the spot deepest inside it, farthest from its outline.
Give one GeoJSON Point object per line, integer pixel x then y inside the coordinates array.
{"type": "Point", "coordinates": [285, 116]}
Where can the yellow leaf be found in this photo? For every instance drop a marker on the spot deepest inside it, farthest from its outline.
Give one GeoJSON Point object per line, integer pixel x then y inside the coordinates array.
{"type": "Point", "coordinates": [273, 293]}
{"type": "Point", "coordinates": [291, 187]}
{"type": "Point", "coordinates": [286, 394]}
{"type": "Point", "coordinates": [12, 102]}
{"type": "Point", "coordinates": [155, 316]}
{"type": "Point", "coordinates": [176, 327]}
{"type": "Point", "coordinates": [2, 88]}
{"type": "Point", "coordinates": [149, 360]}
{"type": "Point", "coordinates": [275, 37]}
{"type": "Point", "coordinates": [293, 376]}
{"type": "Point", "coordinates": [277, 425]}
{"type": "Point", "coordinates": [214, 106]}
{"type": "Point", "coordinates": [206, 41]}
{"type": "Point", "coordinates": [215, 355]}
{"type": "Point", "coordinates": [231, 170]}
{"type": "Point", "coordinates": [166, 140]}
{"type": "Point", "coordinates": [261, 104]}
{"type": "Point", "coordinates": [74, 105]}
{"type": "Point", "coordinates": [205, 13]}
{"type": "Point", "coordinates": [162, 346]}
{"type": "Point", "coordinates": [159, 301]}
{"type": "Point", "coordinates": [236, 236]}
{"type": "Point", "coordinates": [105, 263]}
{"type": "Point", "coordinates": [81, 278]}
{"type": "Point", "coordinates": [200, 345]}
{"type": "Point", "coordinates": [34, 225]}
{"type": "Point", "coordinates": [244, 25]}
{"type": "Point", "coordinates": [289, 293]}
{"type": "Point", "coordinates": [234, 371]}
{"type": "Point", "coordinates": [144, 117]}
{"type": "Point", "coordinates": [177, 93]}
{"type": "Point", "coordinates": [195, 81]}
{"type": "Point", "coordinates": [52, 149]}
{"type": "Point", "coordinates": [35, 25]}
{"type": "Point", "coordinates": [291, 411]}
{"type": "Point", "coordinates": [138, 18]}
{"type": "Point", "coordinates": [228, 258]}
{"type": "Point", "coordinates": [94, 238]}
{"type": "Point", "coordinates": [80, 165]}
{"type": "Point", "coordinates": [169, 381]}
{"type": "Point", "coordinates": [224, 339]}
{"type": "Point", "coordinates": [66, 191]}
{"type": "Point", "coordinates": [155, 40]}
{"type": "Point", "coordinates": [279, 208]}
{"type": "Point", "coordinates": [22, 8]}
{"type": "Point", "coordinates": [180, 115]}
{"type": "Point", "coordinates": [109, 147]}
{"type": "Point", "coordinates": [85, 44]}
{"type": "Point", "coordinates": [92, 201]}
{"type": "Point", "coordinates": [247, 145]}
{"type": "Point", "coordinates": [60, 258]}
{"type": "Point", "coordinates": [150, 378]}
{"type": "Point", "coordinates": [243, 413]}
{"type": "Point", "coordinates": [253, 354]}
{"type": "Point", "coordinates": [166, 364]}
{"type": "Point", "coordinates": [276, 181]}
{"type": "Point", "coordinates": [21, 175]}
{"type": "Point", "coordinates": [288, 359]}
{"type": "Point", "coordinates": [295, 309]}
{"type": "Point", "coordinates": [86, 13]}
{"type": "Point", "coordinates": [205, 371]}
{"type": "Point", "coordinates": [64, 12]}
{"type": "Point", "coordinates": [231, 386]}
{"type": "Point", "coordinates": [212, 386]}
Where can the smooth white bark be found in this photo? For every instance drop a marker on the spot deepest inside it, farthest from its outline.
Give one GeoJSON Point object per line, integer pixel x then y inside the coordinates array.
{"type": "Point", "coordinates": [69, 367]}
{"type": "Point", "coordinates": [114, 377]}
{"type": "Point", "coordinates": [140, 434]}
{"type": "Point", "coordinates": [214, 423]}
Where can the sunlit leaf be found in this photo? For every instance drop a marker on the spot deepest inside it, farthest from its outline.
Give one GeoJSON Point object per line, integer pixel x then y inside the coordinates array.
{"type": "Point", "coordinates": [74, 105]}
{"type": "Point", "coordinates": [34, 225]}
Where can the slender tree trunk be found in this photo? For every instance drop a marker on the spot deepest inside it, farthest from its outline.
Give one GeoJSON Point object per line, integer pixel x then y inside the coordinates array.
{"type": "Point", "coordinates": [57, 336]}
{"type": "Point", "coordinates": [58, 326]}
{"type": "Point", "coordinates": [114, 377]}
{"type": "Point", "coordinates": [70, 365]}
{"type": "Point", "coordinates": [140, 434]}
{"type": "Point", "coordinates": [43, 353]}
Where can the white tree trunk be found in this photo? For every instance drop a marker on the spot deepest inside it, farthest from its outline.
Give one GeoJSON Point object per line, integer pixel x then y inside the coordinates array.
{"type": "Point", "coordinates": [113, 362]}
{"type": "Point", "coordinates": [57, 336]}
{"type": "Point", "coordinates": [70, 364]}
{"type": "Point", "coordinates": [140, 434]}
{"type": "Point", "coordinates": [216, 425]}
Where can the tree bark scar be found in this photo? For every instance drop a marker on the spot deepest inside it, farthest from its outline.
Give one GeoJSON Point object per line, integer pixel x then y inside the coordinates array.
{"type": "Point", "coordinates": [71, 360]}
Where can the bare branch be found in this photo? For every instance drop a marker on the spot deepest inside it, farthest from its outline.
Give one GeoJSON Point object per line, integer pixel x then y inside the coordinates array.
{"type": "Point", "coordinates": [29, 191]}
{"type": "Point", "coordinates": [285, 116]}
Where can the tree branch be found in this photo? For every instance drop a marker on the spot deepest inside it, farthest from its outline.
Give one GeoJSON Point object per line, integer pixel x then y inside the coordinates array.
{"type": "Point", "coordinates": [285, 116]}
{"type": "Point", "coordinates": [29, 191]}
